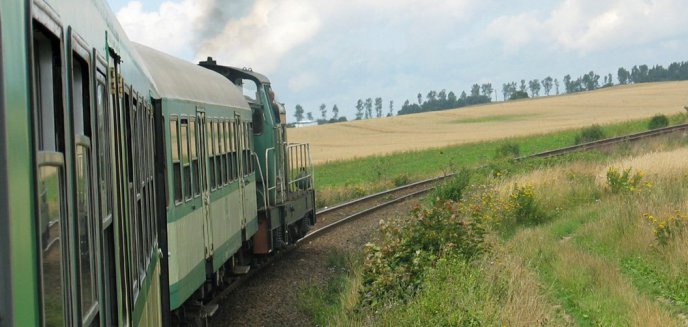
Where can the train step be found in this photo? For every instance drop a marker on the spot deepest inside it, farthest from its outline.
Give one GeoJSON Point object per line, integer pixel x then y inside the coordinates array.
{"type": "Point", "coordinates": [241, 270]}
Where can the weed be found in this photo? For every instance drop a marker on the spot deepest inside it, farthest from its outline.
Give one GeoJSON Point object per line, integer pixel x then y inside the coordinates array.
{"type": "Point", "coordinates": [401, 179]}
{"type": "Point", "coordinates": [625, 181]}
{"type": "Point", "coordinates": [589, 134]}
{"type": "Point", "coordinates": [666, 229]}
{"type": "Point", "coordinates": [394, 270]}
{"type": "Point", "coordinates": [508, 150]}
{"type": "Point", "coordinates": [451, 189]}
{"type": "Point", "coordinates": [522, 208]}
{"type": "Point", "coordinates": [658, 121]}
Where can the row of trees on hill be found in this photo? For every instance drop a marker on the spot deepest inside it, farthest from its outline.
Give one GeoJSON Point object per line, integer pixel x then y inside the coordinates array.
{"type": "Point", "coordinates": [442, 100]}
{"type": "Point", "coordinates": [335, 118]}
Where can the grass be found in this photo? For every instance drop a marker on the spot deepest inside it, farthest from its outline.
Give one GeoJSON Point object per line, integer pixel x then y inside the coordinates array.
{"type": "Point", "coordinates": [595, 261]}
{"type": "Point", "coordinates": [339, 181]}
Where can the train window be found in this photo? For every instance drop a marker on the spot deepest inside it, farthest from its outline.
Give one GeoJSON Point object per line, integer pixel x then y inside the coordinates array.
{"type": "Point", "coordinates": [228, 165]}
{"type": "Point", "coordinates": [86, 224]}
{"type": "Point", "coordinates": [250, 90]}
{"type": "Point", "coordinates": [211, 155]}
{"type": "Point", "coordinates": [216, 150]}
{"type": "Point", "coordinates": [176, 166]}
{"type": "Point", "coordinates": [185, 158]}
{"type": "Point", "coordinates": [50, 196]}
{"type": "Point", "coordinates": [221, 151]}
{"type": "Point", "coordinates": [194, 157]}
{"type": "Point", "coordinates": [103, 129]}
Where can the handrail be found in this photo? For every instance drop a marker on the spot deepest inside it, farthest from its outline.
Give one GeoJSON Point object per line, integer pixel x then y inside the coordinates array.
{"type": "Point", "coordinates": [260, 171]}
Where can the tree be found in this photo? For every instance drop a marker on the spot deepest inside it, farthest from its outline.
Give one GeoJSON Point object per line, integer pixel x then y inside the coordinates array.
{"type": "Point", "coordinates": [547, 84]}
{"type": "Point", "coordinates": [323, 111]}
{"type": "Point", "coordinates": [359, 109]}
{"type": "Point", "coordinates": [420, 99]}
{"type": "Point", "coordinates": [591, 81]}
{"type": "Point", "coordinates": [298, 113]}
{"type": "Point", "coordinates": [391, 108]}
{"type": "Point", "coordinates": [369, 108]}
{"type": "Point", "coordinates": [623, 76]}
{"type": "Point", "coordinates": [567, 84]}
{"type": "Point", "coordinates": [522, 87]}
{"type": "Point", "coordinates": [519, 95]}
{"type": "Point", "coordinates": [534, 86]}
{"type": "Point", "coordinates": [335, 112]}
{"type": "Point", "coordinates": [487, 90]}
{"type": "Point", "coordinates": [310, 116]}
{"type": "Point", "coordinates": [556, 85]}
{"type": "Point", "coordinates": [451, 99]}
{"type": "Point", "coordinates": [378, 107]}
{"type": "Point", "coordinates": [475, 90]}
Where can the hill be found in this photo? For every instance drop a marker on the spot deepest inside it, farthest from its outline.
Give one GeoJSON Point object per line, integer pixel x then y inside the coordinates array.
{"type": "Point", "coordinates": [487, 122]}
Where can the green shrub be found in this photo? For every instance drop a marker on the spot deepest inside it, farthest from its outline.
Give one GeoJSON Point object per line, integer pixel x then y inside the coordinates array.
{"type": "Point", "coordinates": [401, 180]}
{"type": "Point", "coordinates": [589, 134]}
{"type": "Point", "coordinates": [658, 121]}
{"type": "Point", "coordinates": [394, 270]}
{"type": "Point", "coordinates": [522, 208]}
{"type": "Point", "coordinates": [451, 189]}
{"type": "Point", "coordinates": [625, 181]}
{"type": "Point", "coordinates": [508, 150]}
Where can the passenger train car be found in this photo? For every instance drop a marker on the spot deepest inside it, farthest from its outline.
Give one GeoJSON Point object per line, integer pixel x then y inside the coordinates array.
{"type": "Point", "coordinates": [133, 185]}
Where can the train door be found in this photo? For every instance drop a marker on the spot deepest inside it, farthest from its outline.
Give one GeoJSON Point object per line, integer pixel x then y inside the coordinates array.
{"type": "Point", "coordinates": [203, 178]}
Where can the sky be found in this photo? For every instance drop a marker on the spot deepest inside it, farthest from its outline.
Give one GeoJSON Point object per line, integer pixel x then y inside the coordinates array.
{"type": "Point", "coordinates": [338, 51]}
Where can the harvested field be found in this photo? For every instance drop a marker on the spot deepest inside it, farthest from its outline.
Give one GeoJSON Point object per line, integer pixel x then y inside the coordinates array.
{"type": "Point", "coordinates": [489, 122]}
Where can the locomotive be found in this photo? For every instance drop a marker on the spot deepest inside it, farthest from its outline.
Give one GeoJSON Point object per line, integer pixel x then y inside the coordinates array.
{"type": "Point", "coordinates": [133, 185]}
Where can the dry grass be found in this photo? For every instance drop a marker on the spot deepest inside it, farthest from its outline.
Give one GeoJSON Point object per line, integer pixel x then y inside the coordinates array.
{"type": "Point", "coordinates": [667, 164]}
{"type": "Point", "coordinates": [489, 122]}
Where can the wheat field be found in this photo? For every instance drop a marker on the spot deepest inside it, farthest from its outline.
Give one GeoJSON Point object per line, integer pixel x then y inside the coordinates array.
{"type": "Point", "coordinates": [489, 122]}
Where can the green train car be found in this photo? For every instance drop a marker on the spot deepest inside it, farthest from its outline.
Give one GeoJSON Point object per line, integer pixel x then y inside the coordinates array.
{"type": "Point", "coordinates": [133, 185]}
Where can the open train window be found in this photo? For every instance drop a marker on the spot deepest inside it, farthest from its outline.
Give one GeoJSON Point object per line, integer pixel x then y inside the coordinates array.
{"type": "Point", "coordinates": [48, 109]}
{"type": "Point", "coordinates": [176, 165]}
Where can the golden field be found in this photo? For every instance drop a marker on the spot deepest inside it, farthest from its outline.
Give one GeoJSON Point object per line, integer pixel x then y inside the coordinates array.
{"type": "Point", "coordinates": [489, 122]}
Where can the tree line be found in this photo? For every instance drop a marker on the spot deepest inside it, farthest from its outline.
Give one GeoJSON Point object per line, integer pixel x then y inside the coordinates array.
{"type": "Point", "coordinates": [479, 94]}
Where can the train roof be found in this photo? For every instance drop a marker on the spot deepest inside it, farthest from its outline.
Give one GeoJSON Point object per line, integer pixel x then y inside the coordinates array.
{"type": "Point", "coordinates": [233, 72]}
{"type": "Point", "coordinates": [177, 79]}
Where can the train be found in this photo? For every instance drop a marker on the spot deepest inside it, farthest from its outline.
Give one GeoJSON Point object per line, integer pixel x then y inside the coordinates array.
{"type": "Point", "coordinates": [134, 185]}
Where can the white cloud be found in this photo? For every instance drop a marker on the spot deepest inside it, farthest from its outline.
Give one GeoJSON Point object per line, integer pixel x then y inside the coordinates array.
{"type": "Point", "coordinates": [167, 29]}
{"type": "Point", "coordinates": [586, 26]}
{"type": "Point", "coordinates": [515, 31]}
{"type": "Point", "coordinates": [262, 38]}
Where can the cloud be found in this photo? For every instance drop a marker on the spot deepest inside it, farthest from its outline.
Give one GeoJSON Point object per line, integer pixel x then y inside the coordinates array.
{"type": "Point", "coordinates": [262, 37]}
{"type": "Point", "coordinates": [166, 29]}
{"type": "Point", "coordinates": [586, 26]}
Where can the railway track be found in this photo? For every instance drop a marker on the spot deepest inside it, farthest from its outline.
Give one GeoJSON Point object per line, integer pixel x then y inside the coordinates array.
{"type": "Point", "coordinates": [332, 217]}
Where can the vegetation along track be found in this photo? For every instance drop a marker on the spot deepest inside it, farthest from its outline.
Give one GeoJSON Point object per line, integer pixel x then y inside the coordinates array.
{"type": "Point", "coordinates": [332, 217]}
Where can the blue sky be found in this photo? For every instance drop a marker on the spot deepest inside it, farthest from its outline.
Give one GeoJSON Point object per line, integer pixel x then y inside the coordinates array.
{"type": "Point", "coordinates": [336, 52]}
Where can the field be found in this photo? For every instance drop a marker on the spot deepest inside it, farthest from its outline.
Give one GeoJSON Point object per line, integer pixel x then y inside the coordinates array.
{"type": "Point", "coordinates": [570, 241]}
{"type": "Point", "coordinates": [543, 115]}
